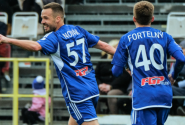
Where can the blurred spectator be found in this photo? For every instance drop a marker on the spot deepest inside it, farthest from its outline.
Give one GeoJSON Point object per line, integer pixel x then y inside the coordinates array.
{"type": "Point", "coordinates": [37, 110]}
{"type": "Point", "coordinates": [108, 84]}
{"type": "Point", "coordinates": [125, 105]}
{"type": "Point", "coordinates": [36, 5]}
{"type": "Point", "coordinates": [74, 1]}
{"type": "Point", "coordinates": [8, 6]}
{"type": "Point", "coordinates": [179, 88]}
{"type": "Point", "coordinates": [1, 66]}
{"type": "Point", "coordinates": [5, 51]}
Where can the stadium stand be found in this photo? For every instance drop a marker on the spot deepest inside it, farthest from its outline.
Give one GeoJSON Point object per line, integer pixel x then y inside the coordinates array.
{"type": "Point", "coordinates": [175, 24]}
{"type": "Point", "coordinates": [24, 25]}
{"type": "Point", "coordinates": [109, 19]}
{"type": "Point", "coordinates": [4, 17]}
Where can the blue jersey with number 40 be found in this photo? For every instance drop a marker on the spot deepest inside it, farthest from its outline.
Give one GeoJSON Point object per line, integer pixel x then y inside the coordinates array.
{"type": "Point", "coordinates": [145, 49]}
{"type": "Point", "coordinates": [68, 48]}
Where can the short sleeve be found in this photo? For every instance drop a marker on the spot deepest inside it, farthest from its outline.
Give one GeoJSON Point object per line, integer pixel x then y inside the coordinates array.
{"type": "Point", "coordinates": [172, 45]}
{"type": "Point", "coordinates": [49, 43]}
{"type": "Point", "coordinates": [120, 58]}
{"type": "Point", "coordinates": [91, 39]}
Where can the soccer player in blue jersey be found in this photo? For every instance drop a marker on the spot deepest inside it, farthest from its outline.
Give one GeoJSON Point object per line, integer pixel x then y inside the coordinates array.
{"type": "Point", "coordinates": [145, 50]}
{"type": "Point", "coordinates": [68, 46]}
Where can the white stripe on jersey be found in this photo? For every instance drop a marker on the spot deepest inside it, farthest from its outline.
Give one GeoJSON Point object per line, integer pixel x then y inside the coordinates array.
{"type": "Point", "coordinates": [57, 59]}
{"type": "Point", "coordinates": [129, 61]}
{"type": "Point", "coordinates": [60, 64]}
{"type": "Point", "coordinates": [152, 106]}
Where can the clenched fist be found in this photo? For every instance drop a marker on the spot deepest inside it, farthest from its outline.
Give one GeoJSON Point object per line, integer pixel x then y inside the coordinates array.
{"type": "Point", "coordinates": [3, 39]}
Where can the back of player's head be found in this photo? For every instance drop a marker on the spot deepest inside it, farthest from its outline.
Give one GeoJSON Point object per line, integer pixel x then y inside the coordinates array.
{"type": "Point", "coordinates": [56, 8]}
{"type": "Point", "coordinates": [143, 12]}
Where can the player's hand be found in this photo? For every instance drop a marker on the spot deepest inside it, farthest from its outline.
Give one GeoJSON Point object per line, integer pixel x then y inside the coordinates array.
{"type": "Point", "coordinates": [130, 93]}
{"type": "Point", "coordinates": [171, 79]}
{"type": "Point", "coordinates": [3, 39]}
{"type": "Point", "coordinates": [105, 87]}
{"type": "Point", "coordinates": [129, 72]}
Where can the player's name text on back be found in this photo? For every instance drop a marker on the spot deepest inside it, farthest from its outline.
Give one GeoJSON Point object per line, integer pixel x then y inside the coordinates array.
{"type": "Point", "coordinates": [140, 35]}
{"type": "Point", "coordinates": [71, 33]}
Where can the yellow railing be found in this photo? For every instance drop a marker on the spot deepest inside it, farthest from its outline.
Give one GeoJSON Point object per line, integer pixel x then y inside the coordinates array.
{"type": "Point", "coordinates": [15, 95]}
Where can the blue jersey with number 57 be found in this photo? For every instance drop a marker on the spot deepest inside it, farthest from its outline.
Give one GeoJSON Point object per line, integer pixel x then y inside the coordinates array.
{"type": "Point", "coordinates": [145, 49]}
{"type": "Point", "coordinates": [68, 48]}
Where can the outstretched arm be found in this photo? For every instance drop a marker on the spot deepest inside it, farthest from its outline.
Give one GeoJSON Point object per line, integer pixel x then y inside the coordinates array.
{"type": "Point", "coordinates": [105, 47]}
{"type": "Point", "coordinates": [25, 44]}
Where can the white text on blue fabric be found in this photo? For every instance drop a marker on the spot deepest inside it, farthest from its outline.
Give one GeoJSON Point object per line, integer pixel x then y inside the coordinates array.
{"type": "Point", "coordinates": [71, 33]}
{"type": "Point", "coordinates": [140, 35]}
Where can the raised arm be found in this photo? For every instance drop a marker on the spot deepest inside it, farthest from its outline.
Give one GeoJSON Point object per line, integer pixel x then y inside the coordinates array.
{"type": "Point", "coordinates": [25, 44]}
{"type": "Point", "coordinates": [105, 47]}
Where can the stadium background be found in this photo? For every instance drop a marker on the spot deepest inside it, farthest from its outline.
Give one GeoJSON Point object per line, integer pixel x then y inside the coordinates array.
{"type": "Point", "coordinates": [109, 19]}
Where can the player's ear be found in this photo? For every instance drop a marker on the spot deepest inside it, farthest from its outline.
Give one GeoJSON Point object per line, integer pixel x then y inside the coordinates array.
{"type": "Point", "coordinates": [58, 19]}
{"type": "Point", "coordinates": [152, 19]}
{"type": "Point", "coordinates": [134, 19]}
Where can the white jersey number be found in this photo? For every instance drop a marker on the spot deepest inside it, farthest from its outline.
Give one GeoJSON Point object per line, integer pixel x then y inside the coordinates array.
{"type": "Point", "coordinates": [146, 62]}
{"type": "Point", "coordinates": [73, 53]}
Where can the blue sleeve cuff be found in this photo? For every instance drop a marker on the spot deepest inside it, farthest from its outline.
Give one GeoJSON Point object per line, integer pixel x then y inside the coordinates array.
{"type": "Point", "coordinates": [180, 61]}
{"type": "Point", "coordinates": [177, 69]}
{"type": "Point", "coordinates": [117, 70]}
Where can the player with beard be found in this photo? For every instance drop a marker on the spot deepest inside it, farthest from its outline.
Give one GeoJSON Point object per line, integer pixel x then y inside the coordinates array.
{"type": "Point", "coordinates": [68, 46]}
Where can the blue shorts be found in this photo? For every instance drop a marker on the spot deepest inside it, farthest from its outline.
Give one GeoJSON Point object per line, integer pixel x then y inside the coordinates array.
{"type": "Point", "coordinates": [149, 116]}
{"type": "Point", "coordinates": [84, 111]}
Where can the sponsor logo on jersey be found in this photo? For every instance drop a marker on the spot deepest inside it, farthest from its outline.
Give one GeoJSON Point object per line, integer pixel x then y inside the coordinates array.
{"type": "Point", "coordinates": [154, 81]}
{"type": "Point", "coordinates": [81, 72]}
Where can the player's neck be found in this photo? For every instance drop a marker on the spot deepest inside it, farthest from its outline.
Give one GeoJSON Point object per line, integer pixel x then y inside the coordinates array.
{"type": "Point", "coordinates": [139, 25]}
{"type": "Point", "coordinates": [59, 25]}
